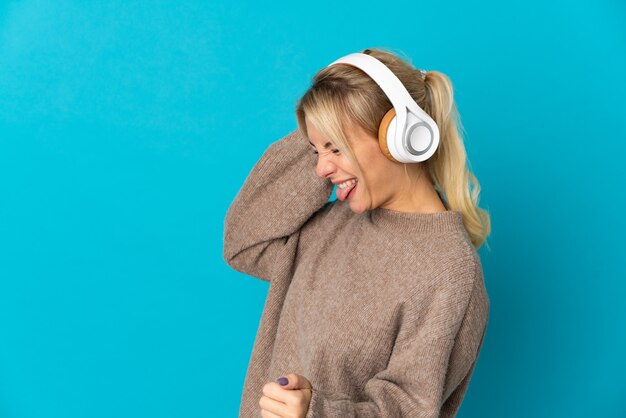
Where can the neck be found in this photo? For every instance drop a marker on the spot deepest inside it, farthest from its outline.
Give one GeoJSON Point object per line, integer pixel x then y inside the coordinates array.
{"type": "Point", "coordinates": [417, 196]}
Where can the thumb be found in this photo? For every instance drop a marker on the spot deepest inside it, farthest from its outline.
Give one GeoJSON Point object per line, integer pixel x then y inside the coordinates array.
{"type": "Point", "coordinates": [294, 381]}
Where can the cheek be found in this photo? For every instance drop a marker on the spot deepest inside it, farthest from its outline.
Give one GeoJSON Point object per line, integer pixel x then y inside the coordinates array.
{"type": "Point", "coordinates": [347, 167]}
{"type": "Point", "coordinates": [378, 179]}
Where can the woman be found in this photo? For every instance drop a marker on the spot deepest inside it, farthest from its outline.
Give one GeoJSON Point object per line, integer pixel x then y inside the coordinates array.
{"type": "Point", "coordinates": [377, 305]}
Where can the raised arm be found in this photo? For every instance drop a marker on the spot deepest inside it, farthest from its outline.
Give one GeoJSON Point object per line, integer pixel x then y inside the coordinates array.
{"type": "Point", "coordinates": [281, 193]}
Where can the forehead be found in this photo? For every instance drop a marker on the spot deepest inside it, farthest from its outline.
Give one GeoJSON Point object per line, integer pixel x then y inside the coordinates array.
{"type": "Point", "coordinates": [313, 133]}
{"type": "Point", "coordinates": [316, 138]}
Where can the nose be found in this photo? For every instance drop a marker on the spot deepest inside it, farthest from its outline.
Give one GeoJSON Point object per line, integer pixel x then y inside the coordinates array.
{"type": "Point", "coordinates": [324, 166]}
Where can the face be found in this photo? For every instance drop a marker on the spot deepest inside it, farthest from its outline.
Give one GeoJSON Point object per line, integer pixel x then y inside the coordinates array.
{"type": "Point", "coordinates": [381, 174]}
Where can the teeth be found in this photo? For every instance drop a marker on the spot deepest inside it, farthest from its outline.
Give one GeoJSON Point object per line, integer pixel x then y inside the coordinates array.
{"type": "Point", "coordinates": [346, 184]}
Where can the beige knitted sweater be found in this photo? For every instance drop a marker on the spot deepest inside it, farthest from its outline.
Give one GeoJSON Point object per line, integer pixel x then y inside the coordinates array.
{"type": "Point", "coordinates": [384, 312]}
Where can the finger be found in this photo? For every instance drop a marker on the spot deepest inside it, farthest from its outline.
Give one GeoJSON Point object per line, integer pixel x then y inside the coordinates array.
{"type": "Point", "coordinates": [268, 414]}
{"type": "Point", "coordinates": [293, 381]}
{"type": "Point", "coordinates": [296, 381]}
{"type": "Point", "coordinates": [277, 392]}
{"type": "Point", "coordinates": [271, 407]}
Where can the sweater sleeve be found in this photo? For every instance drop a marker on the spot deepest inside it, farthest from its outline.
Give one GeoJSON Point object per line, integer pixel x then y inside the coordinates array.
{"type": "Point", "coordinates": [430, 366]}
{"type": "Point", "coordinates": [278, 196]}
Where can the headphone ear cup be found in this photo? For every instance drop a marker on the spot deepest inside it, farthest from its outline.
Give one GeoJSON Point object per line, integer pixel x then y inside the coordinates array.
{"type": "Point", "coordinates": [383, 129]}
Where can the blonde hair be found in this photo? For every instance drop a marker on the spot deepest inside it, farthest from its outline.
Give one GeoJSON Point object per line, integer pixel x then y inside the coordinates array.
{"type": "Point", "coordinates": [341, 95]}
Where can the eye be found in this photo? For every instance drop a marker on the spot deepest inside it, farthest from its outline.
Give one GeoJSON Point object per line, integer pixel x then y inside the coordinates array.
{"type": "Point", "coordinates": [336, 151]}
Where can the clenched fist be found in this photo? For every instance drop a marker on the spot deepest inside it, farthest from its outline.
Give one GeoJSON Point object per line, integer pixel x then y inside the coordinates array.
{"type": "Point", "coordinates": [288, 401]}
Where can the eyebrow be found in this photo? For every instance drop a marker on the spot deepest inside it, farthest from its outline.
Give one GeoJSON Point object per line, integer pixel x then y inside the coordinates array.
{"type": "Point", "coordinates": [326, 145]}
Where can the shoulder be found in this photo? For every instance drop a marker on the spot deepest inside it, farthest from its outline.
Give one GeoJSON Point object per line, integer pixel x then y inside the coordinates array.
{"type": "Point", "coordinates": [442, 260]}
{"type": "Point", "coordinates": [444, 268]}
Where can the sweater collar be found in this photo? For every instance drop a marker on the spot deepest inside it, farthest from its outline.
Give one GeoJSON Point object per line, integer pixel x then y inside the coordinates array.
{"type": "Point", "coordinates": [449, 220]}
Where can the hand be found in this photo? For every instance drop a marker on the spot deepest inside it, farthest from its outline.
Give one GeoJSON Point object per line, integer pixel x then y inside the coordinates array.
{"type": "Point", "coordinates": [289, 401]}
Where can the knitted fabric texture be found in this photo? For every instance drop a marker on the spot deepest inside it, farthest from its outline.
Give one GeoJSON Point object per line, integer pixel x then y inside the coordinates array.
{"type": "Point", "coordinates": [384, 312]}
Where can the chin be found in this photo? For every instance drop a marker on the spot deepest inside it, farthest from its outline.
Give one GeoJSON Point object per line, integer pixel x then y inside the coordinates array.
{"type": "Point", "coordinates": [356, 208]}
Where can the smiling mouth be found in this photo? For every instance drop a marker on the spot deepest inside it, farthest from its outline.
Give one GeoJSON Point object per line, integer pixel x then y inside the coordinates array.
{"type": "Point", "coordinates": [346, 193]}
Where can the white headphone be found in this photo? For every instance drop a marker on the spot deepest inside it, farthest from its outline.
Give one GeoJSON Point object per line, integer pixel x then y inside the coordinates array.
{"type": "Point", "coordinates": [406, 133]}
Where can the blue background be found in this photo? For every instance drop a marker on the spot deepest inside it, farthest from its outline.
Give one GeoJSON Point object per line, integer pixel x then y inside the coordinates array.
{"type": "Point", "coordinates": [127, 128]}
